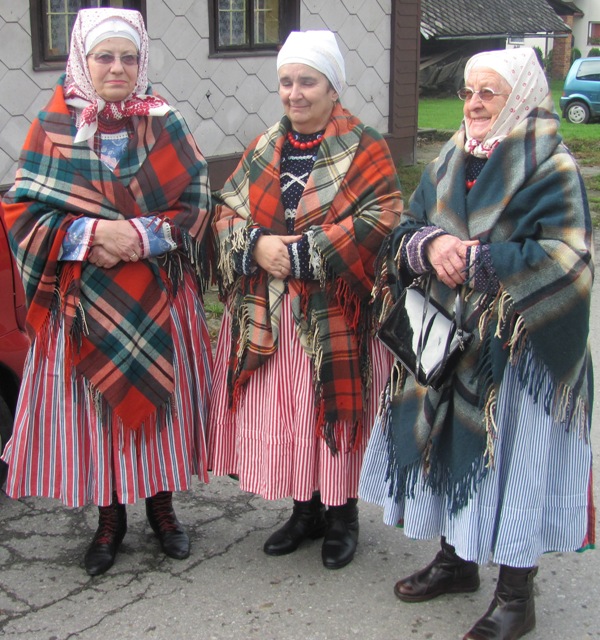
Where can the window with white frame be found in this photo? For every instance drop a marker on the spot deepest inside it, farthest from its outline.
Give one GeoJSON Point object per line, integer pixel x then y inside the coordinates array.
{"type": "Point", "coordinates": [52, 22]}
{"type": "Point", "coordinates": [594, 33]}
{"type": "Point", "coordinates": [251, 25]}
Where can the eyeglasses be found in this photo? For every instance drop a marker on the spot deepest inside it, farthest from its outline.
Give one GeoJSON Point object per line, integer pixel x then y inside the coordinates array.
{"type": "Point", "coordinates": [129, 59]}
{"type": "Point", "coordinates": [486, 94]}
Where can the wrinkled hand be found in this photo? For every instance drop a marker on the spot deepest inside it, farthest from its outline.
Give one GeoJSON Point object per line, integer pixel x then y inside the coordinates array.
{"type": "Point", "coordinates": [448, 256]}
{"type": "Point", "coordinates": [118, 238]}
{"type": "Point", "coordinates": [272, 255]}
{"type": "Point", "coordinates": [100, 257]}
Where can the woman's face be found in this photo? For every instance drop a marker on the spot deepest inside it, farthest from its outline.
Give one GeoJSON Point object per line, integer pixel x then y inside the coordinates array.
{"type": "Point", "coordinates": [113, 79]}
{"type": "Point", "coordinates": [480, 116]}
{"type": "Point", "coordinates": [307, 96]}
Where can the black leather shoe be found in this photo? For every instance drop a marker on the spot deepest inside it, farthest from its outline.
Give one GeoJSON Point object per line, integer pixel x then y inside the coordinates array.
{"type": "Point", "coordinates": [512, 612]}
{"type": "Point", "coordinates": [174, 541]}
{"type": "Point", "coordinates": [112, 526]}
{"type": "Point", "coordinates": [341, 536]}
{"type": "Point", "coordinates": [306, 522]}
{"type": "Point", "coordinates": [447, 573]}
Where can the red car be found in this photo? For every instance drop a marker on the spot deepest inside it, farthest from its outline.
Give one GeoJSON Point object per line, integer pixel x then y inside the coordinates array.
{"type": "Point", "coordinates": [13, 339]}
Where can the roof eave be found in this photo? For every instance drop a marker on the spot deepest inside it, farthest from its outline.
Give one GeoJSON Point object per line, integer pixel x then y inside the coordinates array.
{"type": "Point", "coordinates": [483, 36]}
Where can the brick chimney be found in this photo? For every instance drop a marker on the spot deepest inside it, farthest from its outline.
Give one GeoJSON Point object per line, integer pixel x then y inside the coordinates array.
{"type": "Point", "coordinates": [561, 53]}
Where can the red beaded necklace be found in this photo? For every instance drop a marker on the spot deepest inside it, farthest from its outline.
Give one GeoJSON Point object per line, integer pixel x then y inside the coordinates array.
{"type": "Point", "coordinates": [297, 144]}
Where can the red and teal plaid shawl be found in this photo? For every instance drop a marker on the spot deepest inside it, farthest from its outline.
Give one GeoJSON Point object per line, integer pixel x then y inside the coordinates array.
{"type": "Point", "coordinates": [351, 202]}
{"type": "Point", "coordinates": [118, 319]}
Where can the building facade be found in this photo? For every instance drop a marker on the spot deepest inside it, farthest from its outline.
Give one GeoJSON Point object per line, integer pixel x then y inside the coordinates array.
{"type": "Point", "coordinates": [226, 96]}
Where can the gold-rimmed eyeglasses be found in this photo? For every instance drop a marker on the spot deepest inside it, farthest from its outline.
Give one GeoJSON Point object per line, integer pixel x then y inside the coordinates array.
{"type": "Point", "coordinates": [486, 94]}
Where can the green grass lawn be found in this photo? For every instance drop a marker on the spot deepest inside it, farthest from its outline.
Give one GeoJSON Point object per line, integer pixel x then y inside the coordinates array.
{"type": "Point", "coordinates": [445, 115]}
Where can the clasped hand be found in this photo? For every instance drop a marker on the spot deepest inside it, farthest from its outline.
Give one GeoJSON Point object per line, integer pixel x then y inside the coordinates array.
{"type": "Point", "coordinates": [114, 241]}
{"type": "Point", "coordinates": [447, 255]}
{"type": "Point", "coordinates": [271, 253]}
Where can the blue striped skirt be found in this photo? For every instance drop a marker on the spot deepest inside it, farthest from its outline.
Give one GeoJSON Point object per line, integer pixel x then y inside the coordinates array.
{"type": "Point", "coordinates": [534, 500]}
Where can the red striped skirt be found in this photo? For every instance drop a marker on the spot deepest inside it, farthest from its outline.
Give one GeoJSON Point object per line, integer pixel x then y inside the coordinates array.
{"type": "Point", "coordinates": [271, 441]}
{"type": "Point", "coordinates": [64, 446]}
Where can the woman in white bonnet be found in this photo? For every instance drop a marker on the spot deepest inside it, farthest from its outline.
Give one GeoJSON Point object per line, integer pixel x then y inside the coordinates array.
{"type": "Point", "coordinates": [107, 219]}
{"type": "Point", "coordinates": [297, 372]}
{"type": "Point", "coordinates": [497, 463]}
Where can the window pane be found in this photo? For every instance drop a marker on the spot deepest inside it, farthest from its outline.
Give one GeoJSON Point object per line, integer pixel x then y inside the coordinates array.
{"type": "Point", "coordinates": [58, 14]}
{"type": "Point", "coordinates": [589, 70]}
{"type": "Point", "coordinates": [54, 19]}
{"type": "Point", "coordinates": [266, 21]}
{"type": "Point", "coordinates": [60, 17]}
{"type": "Point", "coordinates": [233, 30]}
{"type": "Point", "coordinates": [594, 37]}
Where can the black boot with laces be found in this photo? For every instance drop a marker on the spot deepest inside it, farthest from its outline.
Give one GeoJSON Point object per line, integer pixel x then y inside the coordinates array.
{"type": "Point", "coordinates": [173, 539]}
{"type": "Point", "coordinates": [112, 526]}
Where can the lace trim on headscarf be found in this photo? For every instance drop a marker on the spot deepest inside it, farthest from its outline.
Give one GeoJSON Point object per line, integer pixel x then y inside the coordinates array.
{"type": "Point", "coordinates": [87, 113]}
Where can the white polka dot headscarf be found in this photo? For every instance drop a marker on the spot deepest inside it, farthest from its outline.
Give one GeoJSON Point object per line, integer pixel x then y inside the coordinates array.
{"type": "Point", "coordinates": [522, 70]}
{"type": "Point", "coordinates": [91, 27]}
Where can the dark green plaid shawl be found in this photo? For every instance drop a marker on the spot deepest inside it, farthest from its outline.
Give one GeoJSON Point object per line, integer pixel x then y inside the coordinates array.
{"type": "Point", "coordinates": [118, 320]}
{"type": "Point", "coordinates": [351, 201]}
{"type": "Point", "coordinates": [530, 206]}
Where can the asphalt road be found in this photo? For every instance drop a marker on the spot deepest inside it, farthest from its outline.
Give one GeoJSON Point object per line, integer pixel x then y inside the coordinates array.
{"type": "Point", "coordinates": [229, 589]}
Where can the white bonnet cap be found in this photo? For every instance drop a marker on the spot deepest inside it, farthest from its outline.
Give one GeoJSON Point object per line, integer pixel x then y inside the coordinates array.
{"type": "Point", "coordinates": [317, 49]}
{"type": "Point", "coordinates": [111, 28]}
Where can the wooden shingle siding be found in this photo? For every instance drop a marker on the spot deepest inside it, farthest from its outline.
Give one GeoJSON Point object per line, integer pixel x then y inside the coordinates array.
{"type": "Point", "coordinates": [227, 101]}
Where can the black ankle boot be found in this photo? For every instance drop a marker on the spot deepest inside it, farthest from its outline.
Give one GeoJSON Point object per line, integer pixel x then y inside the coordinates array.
{"type": "Point", "coordinates": [447, 573]}
{"type": "Point", "coordinates": [341, 536]}
{"type": "Point", "coordinates": [306, 522]}
{"type": "Point", "coordinates": [512, 612]}
{"type": "Point", "coordinates": [112, 526]}
{"type": "Point", "coordinates": [173, 539]}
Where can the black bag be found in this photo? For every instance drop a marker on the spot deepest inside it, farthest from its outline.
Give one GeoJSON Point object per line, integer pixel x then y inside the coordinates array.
{"type": "Point", "coordinates": [421, 334]}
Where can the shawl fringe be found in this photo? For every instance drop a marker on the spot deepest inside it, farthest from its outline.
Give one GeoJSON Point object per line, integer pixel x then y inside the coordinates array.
{"type": "Point", "coordinates": [559, 401]}
{"type": "Point", "coordinates": [150, 424]}
{"type": "Point", "coordinates": [402, 481]}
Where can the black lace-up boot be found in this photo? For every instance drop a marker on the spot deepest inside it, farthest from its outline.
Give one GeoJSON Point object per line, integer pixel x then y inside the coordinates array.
{"type": "Point", "coordinates": [112, 526]}
{"type": "Point", "coordinates": [447, 573]}
{"type": "Point", "coordinates": [173, 539]}
{"type": "Point", "coordinates": [306, 522]}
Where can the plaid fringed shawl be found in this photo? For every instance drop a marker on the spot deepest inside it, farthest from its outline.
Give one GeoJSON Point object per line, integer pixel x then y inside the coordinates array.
{"type": "Point", "coordinates": [351, 202]}
{"type": "Point", "coordinates": [530, 205]}
{"type": "Point", "coordinates": [118, 319]}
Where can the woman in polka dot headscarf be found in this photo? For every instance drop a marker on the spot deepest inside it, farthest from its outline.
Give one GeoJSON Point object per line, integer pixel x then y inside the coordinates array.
{"type": "Point", "coordinates": [497, 462]}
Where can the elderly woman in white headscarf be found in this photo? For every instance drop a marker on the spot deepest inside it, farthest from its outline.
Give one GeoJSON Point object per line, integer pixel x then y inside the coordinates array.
{"type": "Point", "coordinates": [497, 461]}
{"type": "Point", "coordinates": [107, 217]}
{"type": "Point", "coordinates": [297, 372]}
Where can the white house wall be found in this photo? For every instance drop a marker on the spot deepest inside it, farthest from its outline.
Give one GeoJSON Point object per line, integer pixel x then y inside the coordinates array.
{"type": "Point", "coordinates": [226, 101]}
{"type": "Point", "coordinates": [591, 11]}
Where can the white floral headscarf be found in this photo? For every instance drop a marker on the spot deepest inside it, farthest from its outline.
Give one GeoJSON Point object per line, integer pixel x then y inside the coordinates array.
{"type": "Point", "coordinates": [79, 88]}
{"type": "Point", "coordinates": [522, 70]}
